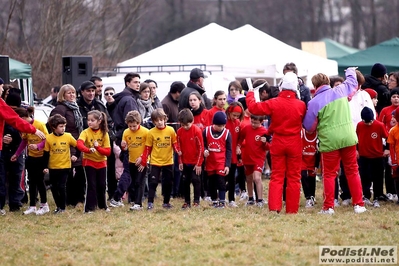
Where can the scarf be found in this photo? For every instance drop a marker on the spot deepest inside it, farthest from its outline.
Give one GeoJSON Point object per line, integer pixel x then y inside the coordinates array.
{"type": "Point", "coordinates": [198, 111]}
{"type": "Point", "coordinates": [78, 117]}
{"type": "Point", "coordinates": [145, 107]}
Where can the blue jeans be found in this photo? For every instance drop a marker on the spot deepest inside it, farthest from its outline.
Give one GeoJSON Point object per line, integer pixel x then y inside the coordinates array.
{"type": "Point", "coordinates": [15, 169]}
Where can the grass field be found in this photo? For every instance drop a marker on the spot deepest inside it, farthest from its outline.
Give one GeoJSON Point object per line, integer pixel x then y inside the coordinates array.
{"type": "Point", "coordinates": [203, 236]}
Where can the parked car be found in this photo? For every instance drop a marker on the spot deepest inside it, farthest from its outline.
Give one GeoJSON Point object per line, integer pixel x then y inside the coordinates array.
{"type": "Point", "coordinates": [42, 111]}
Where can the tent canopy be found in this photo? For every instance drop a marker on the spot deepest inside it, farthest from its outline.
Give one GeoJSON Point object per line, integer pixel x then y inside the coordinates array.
{"type": "Point", "coordinates": [19, 70]}
{"type": "Point", "coordinates": [336, 50]}
{"type": "Point", "coordinates": [386, 53]}
{"type": "Point", "coordinates": [245, 51]}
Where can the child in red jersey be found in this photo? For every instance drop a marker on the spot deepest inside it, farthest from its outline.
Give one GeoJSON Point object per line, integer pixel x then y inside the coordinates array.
{"type": "Point", "coordinates": [217, 143]}
{"type": "Point", "coordinates": [235, 114]}
{"type": "Point", "coordinates": [241, 178]}
{"type": "Point", "coordinates": [308, 170]}
{"type": "Point", "coordinates": [219, 102]}
{"type": "Point", "coordinates": [198, 110]}
{"type": "Point", "coordinates": [393, 140]}
{"type": "Point", "coordinates": [94, 142]}
{"type": "Point", "coordinates": [254, 155]}
{"type": "Point", "coordinates": [190, 141]}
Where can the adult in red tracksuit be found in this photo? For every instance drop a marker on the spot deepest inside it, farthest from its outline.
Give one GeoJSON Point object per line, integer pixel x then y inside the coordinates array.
{"type": "Point", "coordinates": [286, 112]}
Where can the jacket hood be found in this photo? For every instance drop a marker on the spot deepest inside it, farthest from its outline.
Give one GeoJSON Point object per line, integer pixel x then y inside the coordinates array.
{"type": "Point", "coordinates": [371, 82]}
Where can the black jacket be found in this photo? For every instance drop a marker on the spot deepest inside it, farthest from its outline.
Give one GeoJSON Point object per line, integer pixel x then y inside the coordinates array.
{"type": "Point", "coordinates": [185, 94]}
{"type": "Point", "coordinates": [384, 98]}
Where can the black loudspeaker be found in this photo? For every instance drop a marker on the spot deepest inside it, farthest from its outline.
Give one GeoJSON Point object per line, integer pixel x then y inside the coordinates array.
{"type": "Point", "coordinates": [5, 68]}
{"type": "Point", "coordinates": [76, 69]}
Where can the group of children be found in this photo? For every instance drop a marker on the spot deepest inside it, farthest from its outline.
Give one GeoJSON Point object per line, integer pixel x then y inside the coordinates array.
{"type": "Point", "coordinates": [213, 146]}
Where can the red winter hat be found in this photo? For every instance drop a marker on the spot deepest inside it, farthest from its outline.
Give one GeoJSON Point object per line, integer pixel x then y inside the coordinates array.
{"type": "Point", "coordinates": [371, 92]}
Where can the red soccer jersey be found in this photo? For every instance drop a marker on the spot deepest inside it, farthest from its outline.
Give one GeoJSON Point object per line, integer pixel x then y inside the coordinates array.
{"type": "Point", "coordinates": [386, 116]}
{"type": "Point", "coordinates": [217, 150]}
{"type": "Point", "coordinates": [370, 139]}
{"type": "Point", "coordinates": [201, 120]}
{"type": "Point", "coordinates": [212, 112]}
{"type": "Point", "coordinates": [234, 127]}
{"type": "Point", "coordinates": [191, 145]}
{"type": "Point", "coordinates": [309, 149]}
{"type": "Point", "coordinates": [254, 152]}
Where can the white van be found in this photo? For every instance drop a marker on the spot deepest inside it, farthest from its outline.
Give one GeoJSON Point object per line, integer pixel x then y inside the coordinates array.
{"type": "Point", "coordinates": [214, 81]}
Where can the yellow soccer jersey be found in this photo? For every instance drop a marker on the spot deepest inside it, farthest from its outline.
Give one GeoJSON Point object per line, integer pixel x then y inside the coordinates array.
{"type": "Point", "coordinates": [135, 142]}
{"type": "Point", "coordinates": [33, 139]}
{"type": "Point", "coordinates": [59, 148]}
{"type": "Point", "coordinates": [89, 136]}
{"type": "Point", "coordinates": [161, 141]}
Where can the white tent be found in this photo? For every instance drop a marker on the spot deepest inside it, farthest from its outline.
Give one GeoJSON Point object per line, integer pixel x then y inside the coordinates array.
{"type": "Point", "coordinates": [261, 53]}
{"type": "Point", "coordinates": [243, 52]}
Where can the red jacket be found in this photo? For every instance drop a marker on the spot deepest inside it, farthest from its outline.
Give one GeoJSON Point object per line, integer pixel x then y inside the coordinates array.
{"type": "Point", "coordinates": [234, 127]}
{"type": "Point", "coordinates": [7, 115]}
{"type": "Point", "coordinates": [286, 111]}
{"type": "Point", "coordinates": [191, 145]}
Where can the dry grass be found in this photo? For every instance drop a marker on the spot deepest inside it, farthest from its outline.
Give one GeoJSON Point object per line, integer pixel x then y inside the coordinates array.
{"type": "Point", "coordinates": [204, 236]}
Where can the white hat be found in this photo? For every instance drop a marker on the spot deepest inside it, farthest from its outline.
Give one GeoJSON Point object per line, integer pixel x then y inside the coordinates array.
{"type": "Point", "coordinates": [290, 82]}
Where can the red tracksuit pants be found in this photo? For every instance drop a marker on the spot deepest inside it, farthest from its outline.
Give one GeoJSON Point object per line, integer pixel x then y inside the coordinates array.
{"type": "Point", "coordinates": [286, 155]}
{"type": "Point", "coordinates": [330, 164]}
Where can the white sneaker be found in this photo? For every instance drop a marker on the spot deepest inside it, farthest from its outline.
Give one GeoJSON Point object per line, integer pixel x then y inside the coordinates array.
{"type": "Point", "coordinates": [394, 197]}
{"type": "Point", "coordinates": [389, 196]}
{"type": "Point", "coordinates": [359, 209]}
{"type": "Point", "coordinates": [330, 211]}
{"type": "Point", "coordinates": [136, 207]}
{"type": "Point", "coordinates": [116, 204]}
{"type": "Point", "coordinates": [346, 202]}
{"type": "Point", "coordinates": [2, 212]}
{"type": "Point", "coordinates": [30, 210]}
{"type": "Point", "coordinates": [244, 196]}
{"type": "Point", "coordinates": [43, 210]}
{"type": "Point", "coordinates": [376, 204]}
{"type": "Point", "coordinates": [233, 204]}
{"type": "Point", "coordinates": [208, 199]}
{"type": "Point", "coordinates": [260, 204]}
{"type": "Point", "coordinates": [367, 202]}
{"type": "Point", "coordinates": [309, 203]}
{"type": "Point", "coordinates": [336, 203]}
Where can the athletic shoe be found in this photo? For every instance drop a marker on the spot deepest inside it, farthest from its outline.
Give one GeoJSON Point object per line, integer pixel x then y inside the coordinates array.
{"type": "Point", "coordinates": [136, 207]}
{"type": "Point", "coordinates": [233, 204]}
{"type": "Point", "coordinates": [43, 210]}
{"type": "Point", "coordinates": [336, 203]}
{"type": "Point", "coordinates": [58, 211]}
{"type": "Point", "coordinates": [394, 198]}
{"type": "Point", "coordinates": [389, 196]}
{"type": "Point", "coordinates": [185, 206]}
{"type": "Point", "coordinates": [167, 206]}
{"type": "Point", "coordinates": [367, 202]}
{"type": "Point", "coordinates": [30, 210]}
{"type": "Point", "coordinates": [260, 204]}
{"type": "Point", "coordinates": [244, 196]}
{"type": "Point", "coordinates": [359, 209]}
{"type": "Point", "coordinates": [208, 199]}
{"type": "Point", "coordinates": [309, 203]}
{"type": "Point", "coordinates": [346, 202]}
{"type": "Point", "coordinates": [250, 203]}
{"type": "Point", "coordinates": [220, 205]}
{"type": "Point", "coordinates": [116, 204]}
{"type": "Point", "coordinates": [196, 205]}
{"type": "Point", "coordinates": [376, 204]}
{"type": "Point", "coordinates": [330, 211]}
{"type": "Point", "coordinates": [2, 212]}
{"type": "Point", "coordinates": [150, 206]}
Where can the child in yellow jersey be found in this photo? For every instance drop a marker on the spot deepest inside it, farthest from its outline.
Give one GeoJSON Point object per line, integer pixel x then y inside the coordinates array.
{"type": "Point", "coordinates": [94, 142]}
{"type": "Point", "coordinates": [57, 156]}
{"type": "Point", "coordinates": [133, 141]}
{"type": "Point", "coordinates": [161, 141]}
{"type": "Point", "coordinates": [34, 163]}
